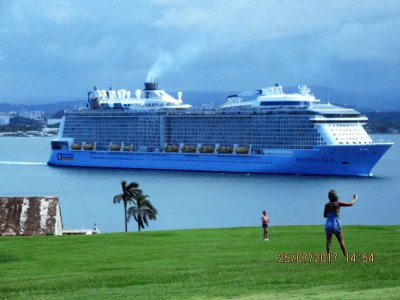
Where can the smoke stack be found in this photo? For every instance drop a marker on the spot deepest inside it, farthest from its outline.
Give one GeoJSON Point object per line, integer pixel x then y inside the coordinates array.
{"type": "Point", "coordinates": [151, 86]}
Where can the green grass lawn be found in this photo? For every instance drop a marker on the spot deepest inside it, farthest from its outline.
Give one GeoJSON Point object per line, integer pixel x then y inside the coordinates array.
{"type": "Point", "coordinates": [200, 264]}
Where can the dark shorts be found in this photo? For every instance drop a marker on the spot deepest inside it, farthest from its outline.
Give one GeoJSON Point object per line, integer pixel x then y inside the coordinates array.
{"type": "Point", "coordinates": [265, 226]}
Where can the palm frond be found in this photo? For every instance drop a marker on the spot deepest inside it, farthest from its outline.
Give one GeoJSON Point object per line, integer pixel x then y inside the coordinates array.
{"type": "Point", "coordinates": [134, 193]}
{"type": "Point", "coordinates": [118, 198]}
{"type": "Point", "coordinates": [128, 216]}
{"type": "Point", "coordinates": [150, 213]}
{"type": "Point", "coordinates": [152, 216]}
{"type": "Point", "coordinates": [136, 218]}
{"type": "Point", "coordinates": [131, 212]}
{"type": "Point", "coordinates": [148, 204]}
{"type": "Point", "coordinates": [130, 200]}
{"type": "Point", "coordinates": [132, 185]}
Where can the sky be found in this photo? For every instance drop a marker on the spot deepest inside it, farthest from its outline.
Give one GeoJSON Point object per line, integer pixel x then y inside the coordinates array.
{"type": "Point", "coordinates": [55, 50]}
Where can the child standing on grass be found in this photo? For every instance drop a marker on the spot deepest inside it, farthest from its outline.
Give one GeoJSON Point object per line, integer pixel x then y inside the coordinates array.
{"type": "Point", "coordinates": [333, 224]}
{"type": "Point", "coordinates": [265, 221]}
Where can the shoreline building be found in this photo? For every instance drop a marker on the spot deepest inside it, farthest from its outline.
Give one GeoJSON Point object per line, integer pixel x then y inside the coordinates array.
{"type": "Point", "coordinates": [4, 118]}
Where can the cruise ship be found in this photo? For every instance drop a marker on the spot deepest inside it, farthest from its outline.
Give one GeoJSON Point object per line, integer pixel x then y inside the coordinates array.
{"type": "Point", "coordinates": [261, 131]}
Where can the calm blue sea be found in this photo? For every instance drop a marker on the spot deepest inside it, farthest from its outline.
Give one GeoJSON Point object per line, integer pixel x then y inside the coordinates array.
{"type": "Point", "coordinates": [198, 200]}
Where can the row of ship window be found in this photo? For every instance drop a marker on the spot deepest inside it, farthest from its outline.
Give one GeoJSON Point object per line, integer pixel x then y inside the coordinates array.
{"type": "Point", "coordinates": [180, 160]}
{"type": "Point", "coordinates": [191, 121]}
{"type": "Point", "coordinates": [188, 133]}
{"type": "Point", "coordinates": [355, 143]}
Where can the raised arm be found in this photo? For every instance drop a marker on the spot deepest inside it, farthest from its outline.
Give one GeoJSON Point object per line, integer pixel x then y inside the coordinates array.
{"type": "Point", "coordinates": [355, 198]}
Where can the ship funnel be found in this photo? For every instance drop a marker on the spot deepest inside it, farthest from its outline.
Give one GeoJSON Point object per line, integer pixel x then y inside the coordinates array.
{"type": "Point", "coordinates": [151, 86]}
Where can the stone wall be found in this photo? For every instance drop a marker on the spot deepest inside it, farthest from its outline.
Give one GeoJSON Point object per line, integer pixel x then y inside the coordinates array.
{"type": "Point", "coordinates": [30, 216]}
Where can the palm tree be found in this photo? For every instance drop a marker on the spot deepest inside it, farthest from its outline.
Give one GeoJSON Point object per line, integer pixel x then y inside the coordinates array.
{"type": "Point", "coordinates": [130, 193]}
{"type": "Point", "coordinates": [141, 211]}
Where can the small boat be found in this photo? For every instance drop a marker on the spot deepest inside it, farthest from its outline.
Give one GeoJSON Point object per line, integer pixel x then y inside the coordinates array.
{"type": "Point", "coordinates": [206, 149]}
{"type": "Point", "coordinates": [225, 149]}
{"type": "Point", "coordinates": [171, 148]}
{"type": "Point", "coordinates": [115, 147]}
{"type": "Point", "coordinates": [88, 146]}
{"type": "Point", "coordinates": [126, 148]}
{"type": "Point", "coordinates": [189, 149]}
{"type": "Point", "coordinates": [76, 146]}
{"type": "Point", "coordinates": [242, 150]}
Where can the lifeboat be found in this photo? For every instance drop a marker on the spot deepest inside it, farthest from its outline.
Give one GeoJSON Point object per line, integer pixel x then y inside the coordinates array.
{"type": "Point", "coordinates": [76, 146]}
{"type": "Point", "coordinates": [126, 148]}
{"type": "Point", "coordinates": [88, 146]}
{"type": "Point", "coordinates": [189, 149]}
{"type": "Point", "coordinates": [242, 150]}
{"type": "Point", "coordinates": [134, 148]}
{"type": "Point", "coordinates": [115, 147]}
{"type": "Point", "coordinates": [225, 149]}
{"type": "Point", "coordinates": [206, 149]}
{"type": "Point", "coordinates": [171, 148]}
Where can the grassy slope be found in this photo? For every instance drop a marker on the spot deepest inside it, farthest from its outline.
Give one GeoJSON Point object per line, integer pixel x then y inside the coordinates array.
{"type": "Point", "coordinates": [209, 263]}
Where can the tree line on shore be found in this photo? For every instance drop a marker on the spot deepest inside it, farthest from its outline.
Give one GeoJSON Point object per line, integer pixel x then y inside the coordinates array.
{"type": "Point", "coordinates": [383, 122]}
{"type": "Point", "coordinates": [21, 124]}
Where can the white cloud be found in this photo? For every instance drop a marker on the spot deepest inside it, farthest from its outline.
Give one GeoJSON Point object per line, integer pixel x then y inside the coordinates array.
{"type": "Point", "coordinates": [232, 22]}
{"type": "Point", "coordinates": [186, 18]}
{"type": "Point", "coordinates": [11, 20]}
{"type": "Point", "coordinates": [62, 11]}
{"type": "Point", "coordinates": [248, 42]}
{"type": "Point", "coordinates": [370, 42]}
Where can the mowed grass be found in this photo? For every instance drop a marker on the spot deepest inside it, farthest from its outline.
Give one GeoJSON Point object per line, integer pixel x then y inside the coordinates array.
{"type": "Point", "coordinates": [200, 264]}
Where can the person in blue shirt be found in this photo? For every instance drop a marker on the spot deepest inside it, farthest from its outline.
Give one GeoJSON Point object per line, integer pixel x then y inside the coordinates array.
{"type": "Point", "coordinates": [333, 224]}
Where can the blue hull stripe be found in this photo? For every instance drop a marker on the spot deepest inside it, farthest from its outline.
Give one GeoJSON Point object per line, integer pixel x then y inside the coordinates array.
{"type": "Point", "coordinates": [325, 160]}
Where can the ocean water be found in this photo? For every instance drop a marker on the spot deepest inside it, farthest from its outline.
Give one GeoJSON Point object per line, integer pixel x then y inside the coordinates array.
{"type": "Point", "coordinates": [198, 200]}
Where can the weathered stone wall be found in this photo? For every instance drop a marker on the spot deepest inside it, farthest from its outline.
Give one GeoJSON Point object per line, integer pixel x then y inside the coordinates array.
{"type": "Point", "coordinates": [30, 216]}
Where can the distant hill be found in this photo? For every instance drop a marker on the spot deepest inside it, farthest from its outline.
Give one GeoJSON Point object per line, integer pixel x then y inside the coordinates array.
{"type": "Point", "coordinates": [386, 100]}
{"type": "Point", "coordinates": [48, 108]}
